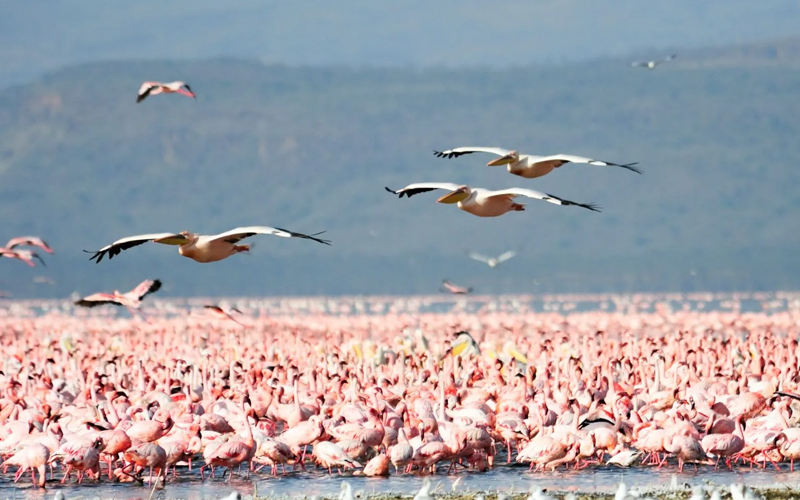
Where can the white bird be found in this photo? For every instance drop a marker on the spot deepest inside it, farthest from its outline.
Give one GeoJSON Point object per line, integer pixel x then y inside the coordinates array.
{"type": "Point", "coordinates": [59, 495]}
{"type": "Point", "coordinates": [493, 261]}
{"type": "Point", "coordinates": [483, 202]}
{"type": "Point", "coordinates": [463, 345]}
{"type": "Point", "coordinates": [698, 493]}
{"type": "Point", "coordinates": [424, 493]}
{"type": "Point", "coordinates": [625, 458]}
{"type": "Point", "coordinates": [652, 64]}
{"type": "Point", "coordinates": [716, 494]}
{"type": "Point", "coordinates": [235, 495]}
{"type": "Point", "coordinates": [153, 88]}
{"type": "Point", "coordinates": [529, 166]}
{"type": "Point", "coordinates": [346, 492]}
{"type": "Point", "coordinates": [539, 494]}
{"type": "Point", "coordinates": [201, 248]}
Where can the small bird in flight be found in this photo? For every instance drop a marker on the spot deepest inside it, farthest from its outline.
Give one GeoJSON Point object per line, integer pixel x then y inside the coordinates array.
{"type": "Point", "coordinates": [132, 300]}
{"type": "Point", "coordinates": [654, 63]}
{"type": "Point", "coordinates": [455, 289]}
{"type": "Point", "coordinates": [153, 88]}
{"type": "Point", "coordinates": [493, 261]}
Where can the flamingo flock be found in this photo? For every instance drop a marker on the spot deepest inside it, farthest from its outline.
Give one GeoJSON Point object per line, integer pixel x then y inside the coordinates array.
{"type": "Point", "coordinates": [121, 400]}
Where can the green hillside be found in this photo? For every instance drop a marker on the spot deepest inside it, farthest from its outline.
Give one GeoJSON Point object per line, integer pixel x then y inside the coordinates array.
{"type": "Point", "coordinates": [311, 149]}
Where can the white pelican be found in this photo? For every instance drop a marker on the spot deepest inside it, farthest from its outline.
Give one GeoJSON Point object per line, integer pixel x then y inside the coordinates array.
{"type": "Point", "coordinates": [455, 289]}
{"type": "Point", "coordinates": [493, 261]}
{"type": "Point", "coordinates": [132, 300]}
{"type": "Point", "coordinates": [482, 202]}
{"type": "Point", "coordinates": [29, 241]}
{"type": "Point", "coordinates": [463, 345]}
{"type": "Point", "coordinates": [654, 63]}
{"type": "Point", "coordinates": [201, 248]}
{"type": "Point", "coordinates": [153, 88]}
{"type": "Point", "coordinates": [529, 166]}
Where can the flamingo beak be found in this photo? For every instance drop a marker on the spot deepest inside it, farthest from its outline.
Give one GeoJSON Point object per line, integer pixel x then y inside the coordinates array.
{"type": "Point", "coordinates": [459, 194]}
{"type": "Point", "coordinates": [503, 160]}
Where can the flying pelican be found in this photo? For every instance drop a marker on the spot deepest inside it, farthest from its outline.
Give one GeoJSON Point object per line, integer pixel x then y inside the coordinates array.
{"type": "Point", "coordinates": [153, 88]}
{"type": "Point", "coordinates": [201, 248]}
{"type": "Point", "coordinates": [132, 300]}
{"type": "Point", "coordinates": [654, 63]}
{"type": "Point", "coordinates": [482, 202]}
{"type": "Point", "coordinates": [455, 289]}
{"type": "Point", "coordinates": [463, 345]}
{"type": "Point", "coordinates": [25, 256]}
{"type": "Point", "coordinates": [529, 166]}
{"type": "Point", "coordinates": [493, 261]}
{"type": "Point", "coordinates": [29, 241]}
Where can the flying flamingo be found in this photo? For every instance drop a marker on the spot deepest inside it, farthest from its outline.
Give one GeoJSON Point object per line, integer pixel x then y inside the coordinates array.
{"type": "Point", "coordinates": [222, 314]}
{"type": "Point", "coordinates": [153, 88]}
{"type": "Point", "coordinates": [29, 241]}
{"type": "Point", "coordinates": [132, 300]}
{"type": "Point", "coordinates": [455, 289]}
{"type": "Point", "coordinates": [25, 256]}
{"type": "Point", "coordinates": [201, 248]}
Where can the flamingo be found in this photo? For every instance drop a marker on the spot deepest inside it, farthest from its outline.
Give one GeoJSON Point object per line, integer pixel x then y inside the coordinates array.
{"type": "Point", "coordinates": [221, 313]}
{"type": "Point", "coordinates": [483, 202]}
{"type": "Point", "coordinates": [28, 241]}
{"type": "Point", "coordinates": [153, 88]}
{"type": "Point", "coordinates": [455, 289]}
{"type": "Point", "coordinates": [201, 248]}
{"type": "Point", "coordinates": [530, 166]}
{"type": "Point", "coordinates": [33, 457]}
{"type": "Point", "coordinates": [25, 256]}
{"type": "Point", "coordinates": [131, 300]}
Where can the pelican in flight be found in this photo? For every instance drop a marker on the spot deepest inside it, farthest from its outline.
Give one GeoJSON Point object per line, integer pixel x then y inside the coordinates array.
{"type": "Point", "coordinates": [201, 248]}
{"type": "Point", "coordinates": [493, 261]}
{"type": "Point", "coordinates": [132, 300]}
{"type": "Point", "coordinates": [482, 202]}
{"type": "Point", "coordinates": [153, 88]}
{"type": "Point", "coordinates": [654, 63]}
{"type": "Point", "coordinates": [455, 289]}
{"type": "Point", "coordinates": [29, 241]}
{"type": "Point", "coordinates": [529, 166]}
{"type": "Point", "coordinates": [25, 256]}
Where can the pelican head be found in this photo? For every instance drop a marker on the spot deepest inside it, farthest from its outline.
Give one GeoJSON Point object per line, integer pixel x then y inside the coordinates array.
{"type": "Point", "coordinates": [460, 194]}
{"type": "Point", "coordinates": [504, 160]}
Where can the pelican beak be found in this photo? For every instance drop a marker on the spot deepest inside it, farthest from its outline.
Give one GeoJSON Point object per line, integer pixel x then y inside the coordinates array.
{"type": "Point", "coordinates": [175, 239]}
{"type": "Point", "coordinates": [459, 194]}
{"type": "Point", "coordinates": [503, 160]}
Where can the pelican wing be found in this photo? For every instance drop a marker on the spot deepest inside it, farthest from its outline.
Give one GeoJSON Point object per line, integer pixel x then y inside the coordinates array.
{"type": "Point", "coordinates": [638, 63]}
{"type": "Point", "coordinates": [145, 288]}
{"type": "Point", "coordinates": [240, 233]}
{"type": "Point", "coordinates": [132, 241]}
{"type": "Point", "coordinates": [455, 153]}
{"type": "Point", "coordinates": [423, 187]}
{"type": "Point", "coordinates": [477, 256]}
{"type": "Point", "coordinates": [97, 299]}
{"type": "Point", "coordinates": [507, 255]}
{"type": "Point", "coordinates": [530, 193]}
{"type": "Point", "coordinates": [562, 158]}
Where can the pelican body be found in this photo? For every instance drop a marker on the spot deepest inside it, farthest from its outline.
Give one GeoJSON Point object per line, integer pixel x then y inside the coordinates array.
{"type": "Point", "coordinates": [483, 202]}
{"type": "Point", "coordinates": [530, 166]}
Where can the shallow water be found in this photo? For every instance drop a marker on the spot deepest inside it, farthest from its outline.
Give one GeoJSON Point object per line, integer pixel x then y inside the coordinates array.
{"type": "Point", "coordinates": [502, 478]}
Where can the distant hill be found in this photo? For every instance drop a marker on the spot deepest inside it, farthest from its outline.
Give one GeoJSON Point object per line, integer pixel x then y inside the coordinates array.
{"type": "Point", "coordinates": [311, 149]}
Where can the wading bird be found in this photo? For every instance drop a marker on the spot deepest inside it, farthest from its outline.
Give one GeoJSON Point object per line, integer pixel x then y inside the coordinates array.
{"type": "Point", "coordinates": [25, 256]}
{"type": "Point", "coordinates": [132, 300]}
{"type": "Point", "coordinates": [222, 314]}
{"type": "Point", "coordinates": [530, 166]}
{"type": "Point", "coordinates": [455, 289]}
{"type": "Point", "coordinates": [201, 248]}
{"type": "Point", "coordinates": [153, 88]}
{"type": "Point", "coordinates": [652, 64]}
{"type": "Point", "coordinates": [28, 241]}
{"type": "Point", "coordinates": [483, 202]}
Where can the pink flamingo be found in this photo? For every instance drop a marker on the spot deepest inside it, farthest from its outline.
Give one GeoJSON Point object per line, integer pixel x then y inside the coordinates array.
{"type": "Point", "coordinates": [28, 241]}
{"type": "Point", "coordinates": [153, 88]}
{"type": "Point", "coordinates": [25, 256]}
{"type": "Point", "coordinates": [33, 457]}
{"type": "Point", "coordinates": [132, 300]}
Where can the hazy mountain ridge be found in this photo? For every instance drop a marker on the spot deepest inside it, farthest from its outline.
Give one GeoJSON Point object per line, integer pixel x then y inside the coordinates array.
{"type": "Point", "coordinates": [311, 149]}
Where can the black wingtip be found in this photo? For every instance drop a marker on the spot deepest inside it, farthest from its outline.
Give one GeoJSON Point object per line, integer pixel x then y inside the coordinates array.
{"type": "Point", "coordinates": [591, 206]}
{"type": "Point", "coordinates": [630, 166]}
{"type": "Point", "coordinates": [390, 190]}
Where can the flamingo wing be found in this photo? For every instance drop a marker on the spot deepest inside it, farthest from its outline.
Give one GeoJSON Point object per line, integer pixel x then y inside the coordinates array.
{"type": "Point", "coordinates": [97, 299]}
{"type": "Point", "coordinates": [32, 241]}
{"type": "Point", "coordinates": [146, 89]}
{"type": "Point", "coordinates": [145, 288]}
